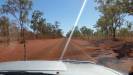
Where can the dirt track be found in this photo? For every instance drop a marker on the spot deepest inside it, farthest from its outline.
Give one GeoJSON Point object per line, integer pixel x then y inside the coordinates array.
{"type": "Point", "coordinates": [36, 50]}
{"type": "Point", "coordinates": [77, 50]}
{"type": "Point", "coordinates": [42, 50]}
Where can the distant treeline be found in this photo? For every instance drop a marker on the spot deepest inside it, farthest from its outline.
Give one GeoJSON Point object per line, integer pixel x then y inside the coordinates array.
{"type": "Point", "coordinates": [89, 34]}
{"type": "Point", "coordinates": [111, 23]}
{"type": "Point", "coordinates": [42, 28]}
{"type": "Point", "coordinates": [16, 25]}
{"type": "Point", "coordinates": [38, 29]}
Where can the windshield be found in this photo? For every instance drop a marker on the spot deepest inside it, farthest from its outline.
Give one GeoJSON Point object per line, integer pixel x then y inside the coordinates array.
{"type": "Point", "coordinates": [97, 31]}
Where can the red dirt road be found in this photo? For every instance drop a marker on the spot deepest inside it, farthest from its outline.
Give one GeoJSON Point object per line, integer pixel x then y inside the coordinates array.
{"type": "Point", "coordinates": [51, 49]}
{"type": "Point", "coordinates": [42, 50]}
{"type": "Point", "coordinates": [36, 50]}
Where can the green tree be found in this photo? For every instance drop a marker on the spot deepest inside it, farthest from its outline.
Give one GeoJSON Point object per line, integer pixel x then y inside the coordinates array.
{"type": "Point", "coordinates": [57, 30]}
{"type": "Point", "coordinates": [113, 13]}
{"type": "Point", "coordinates": [99, 34]}
{"type": "Point", "coordinates": [76, 33]}
{"type": "Point", "coordinates": [20, 10]}
{"type": "Point", "coordinates": [102, 23]}
{"type": "Point", "coordinates": [4, 28]}
{"type": "Point", "coordinates": [41, 27]}
{"type": "Point", "coordinates": [123, 32]}
{"type": "Point", "coordinates": [53, 30]}
{"type": "Point", "coordinates": [37, 22]}
{"type": "Point", "coordinates": [86, 32]}
{"type": "Point", "coordinates": [127, 6]}
{"type": "Point", "coordinates": [129, 25]}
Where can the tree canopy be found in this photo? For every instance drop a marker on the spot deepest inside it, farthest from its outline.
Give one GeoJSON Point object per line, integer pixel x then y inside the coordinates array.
{"type": "Point", "coordinates": [113, 13]}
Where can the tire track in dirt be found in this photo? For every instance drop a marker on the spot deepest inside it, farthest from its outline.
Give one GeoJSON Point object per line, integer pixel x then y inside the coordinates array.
{"type": "Point", "coordinates": [38, 55]}
{"type": "Point", "coordinates": [48, 50]}
{"type": "Point", "coordinates": [51, 52]}
{"type": "Point", "coordinates": [55, 52]}
{"type": "Point", "coordinates": [34, 48]}
{"type": "Point", "coordinates": [60, 48]}
{"type": "Point", "coordinates": [71, 52]}
{"type": "Point", "coordinates": [76, 52]}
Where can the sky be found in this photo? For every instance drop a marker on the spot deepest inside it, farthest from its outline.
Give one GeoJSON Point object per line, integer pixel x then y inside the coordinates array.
{"type": "Point", "coordinates": [66, 12]}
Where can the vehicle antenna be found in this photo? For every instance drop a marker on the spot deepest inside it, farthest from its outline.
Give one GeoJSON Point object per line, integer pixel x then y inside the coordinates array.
{"type": "Point", "coordinates": [75, 24]}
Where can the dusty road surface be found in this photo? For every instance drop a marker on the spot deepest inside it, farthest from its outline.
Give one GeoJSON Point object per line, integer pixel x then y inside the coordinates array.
{"type": "Point", "coordinates": [35, 50]}
{"type": "Point", "coordinates": [44, 50]}
{"type": "Point", "coordinates": [51, 49]}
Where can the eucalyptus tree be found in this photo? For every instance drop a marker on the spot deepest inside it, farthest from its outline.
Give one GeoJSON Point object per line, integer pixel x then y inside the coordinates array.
{"type": "Point", "coordinates": [98, 34]}
{"type": "Point", "coordinates": [127, 6]}
{"type": "Point", "coordinates": [37, 22]}
{"type": "Point", "coordinates": [86, 32]}
{"type": "Point", "coordinates": [40, 26]}
{"type": "Point", "coordinates": [129, 25]}
{"type": "Point", "coordinates": [113, 14]}
{"type": "Point", "coordinates": [56, 24]}
{"type": "Point", "coordinates": [57, 30]}
{"type": "Point", "coordinates": [124, 32]}
{"type": "Point", "coordinates": [19, 9]}
{"type": "Point", "coordinates": [4, 28]}
{"type": "Point", "coordinates": [76, 33]}
{"type": "Point", "coordinates": [129, 28]}
{"type": "Point", "coordinates": [103, 24]}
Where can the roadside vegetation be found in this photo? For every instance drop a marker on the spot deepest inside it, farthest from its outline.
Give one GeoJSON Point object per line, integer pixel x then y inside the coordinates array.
{"type": "Point", "coordinates": [112, 35]}
{"type": "Point", "coordinates": [21, 26]}
{"type": "Point", "coordinates": [110, 25]}
{"type": "Point", "coordinates": [16, 24]}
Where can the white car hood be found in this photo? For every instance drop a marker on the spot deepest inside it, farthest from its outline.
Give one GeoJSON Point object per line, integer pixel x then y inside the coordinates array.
{"type": "Point", "coordinates": [63, 68]}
